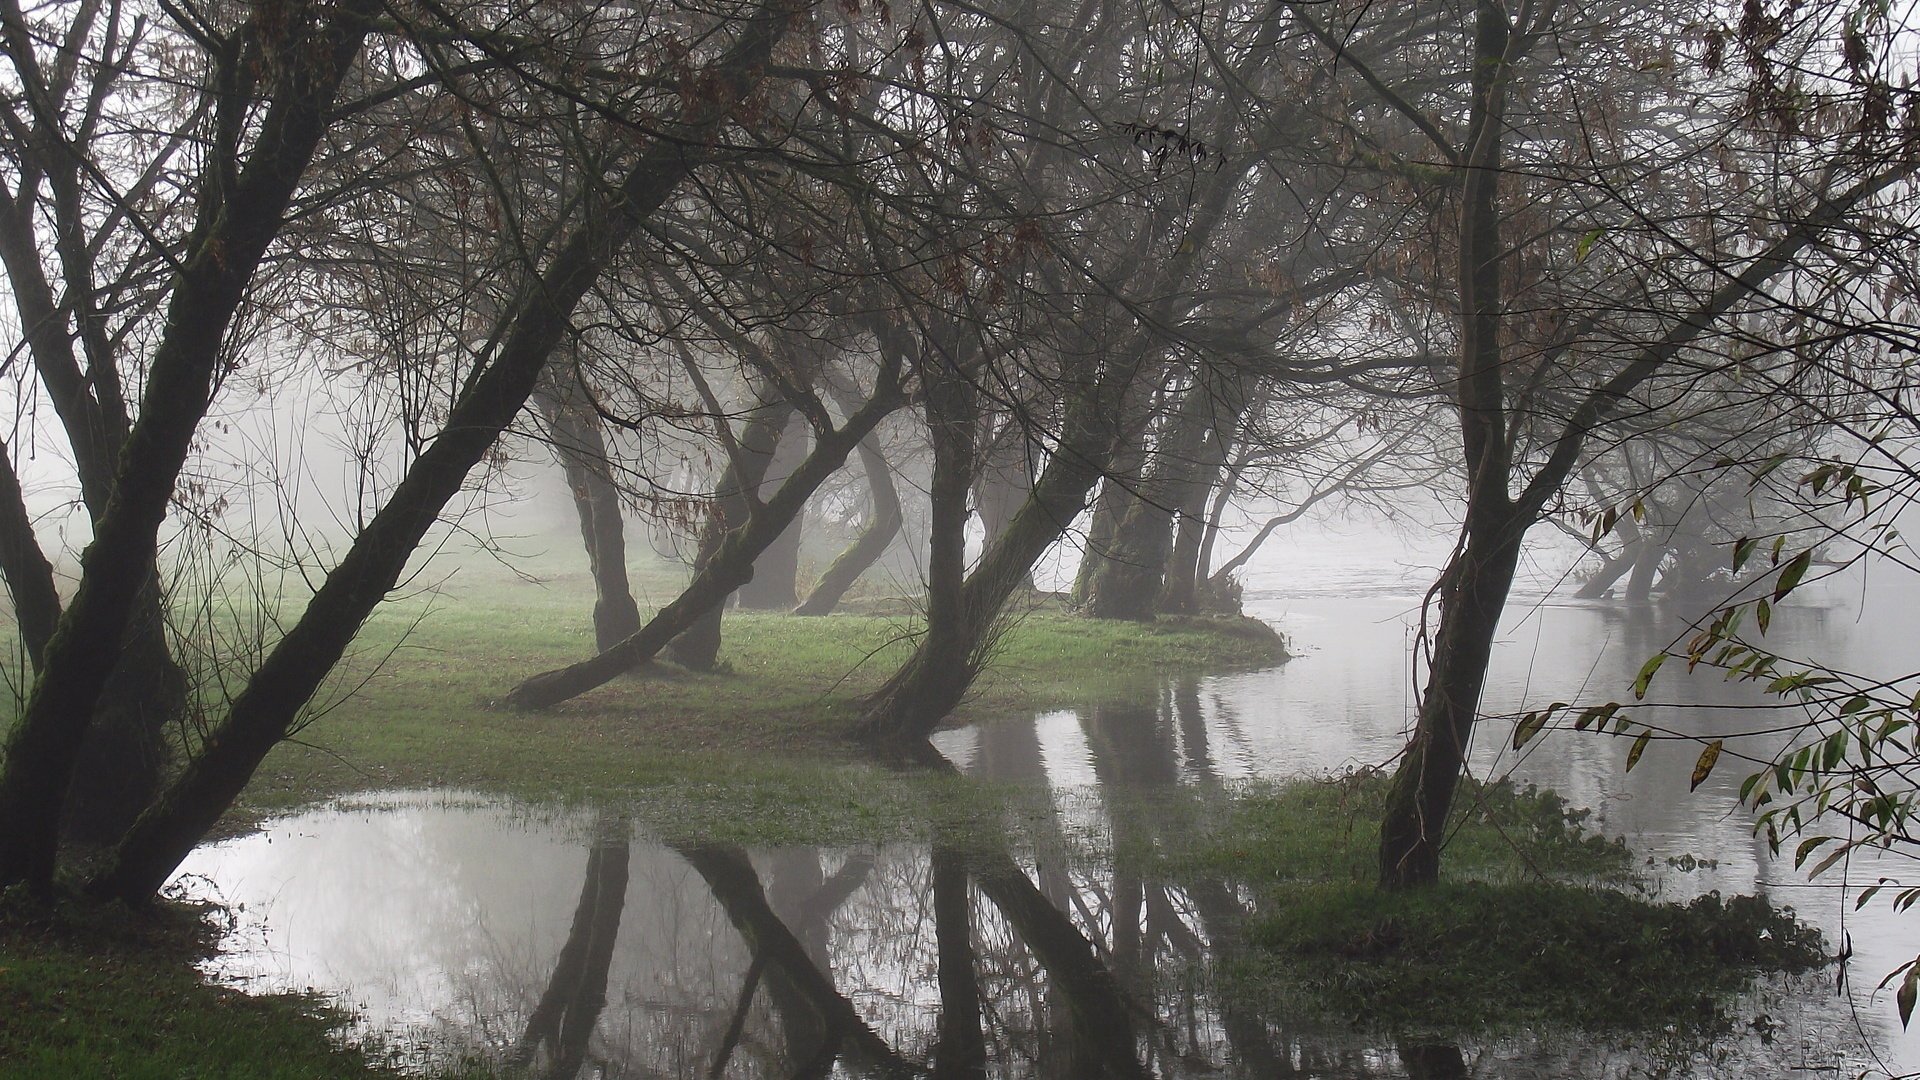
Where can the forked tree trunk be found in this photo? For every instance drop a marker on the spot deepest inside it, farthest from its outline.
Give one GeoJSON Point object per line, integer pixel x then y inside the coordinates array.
{"type": "Point", "coordinates": [883, 524]}
{"type": "Point", "coordinates": [579, 441]}
{"type": "Point", "coordinates": [124, 753]}
{"type": "Point", "coordinates": [913, 702]}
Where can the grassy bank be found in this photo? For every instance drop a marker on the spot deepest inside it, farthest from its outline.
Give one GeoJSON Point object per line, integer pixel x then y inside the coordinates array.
{"type": "Point", "coordinates": [96, 992]}
{"type": "Point", "coordinates": [412, 708]}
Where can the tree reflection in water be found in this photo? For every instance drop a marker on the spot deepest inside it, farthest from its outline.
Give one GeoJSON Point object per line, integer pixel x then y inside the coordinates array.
{"type": "Point", "coordinates": [1072, 954]}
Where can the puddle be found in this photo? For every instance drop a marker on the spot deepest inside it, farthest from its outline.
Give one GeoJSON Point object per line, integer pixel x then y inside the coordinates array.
{"type": "Point", "coordinates": [568, 942]}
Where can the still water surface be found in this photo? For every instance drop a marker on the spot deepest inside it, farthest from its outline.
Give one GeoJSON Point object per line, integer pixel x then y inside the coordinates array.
{"type": "Point", "coordinates": [568, 941]}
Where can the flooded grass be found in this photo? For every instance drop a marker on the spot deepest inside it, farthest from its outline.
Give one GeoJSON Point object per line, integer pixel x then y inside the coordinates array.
{"type": "Point", "coordinates": [1540, 925]}
{"type": "Point", "coordinates": [98, 991]}
{"type": "Point", "coordinates": [1521, 956]}
{"type": "Point", "coordinates": [1537, 929]}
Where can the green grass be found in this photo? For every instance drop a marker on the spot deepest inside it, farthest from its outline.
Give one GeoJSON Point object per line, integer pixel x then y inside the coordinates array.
{"type": "Point", "coordinates": [95, 992]}
{"type": "Point", "coordinates": [1315, 832]}
{"type": "Point", "coordinates": [754, 751]}
{"type": "Point", "coordinates": [1535, 926]}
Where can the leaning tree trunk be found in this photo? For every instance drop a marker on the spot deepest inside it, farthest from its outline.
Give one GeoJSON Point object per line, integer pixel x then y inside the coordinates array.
{"type": "Point", "coordinates": [697, 645]}
{"type": "Point", "coordinates": [1473, 588]}
{"type": "Point", "coordinates": [730, 566]}
{"type": "Point", "coordinates": [883, 524]}
{"type": "Point", "coordinates": [1472, 595]}
{"type": "Point", "coordinates": [29, 577]}
{"type": "Point", "coordinates": [259, 716]}
{"type": "Point", "coordinates": [227, 244]}
{"type": "Point", "coordinates": [923, 691]}
{"type": "Point", "coordinates": [579, 441]}
{"type": "Point", "coordinates": [776, 574]}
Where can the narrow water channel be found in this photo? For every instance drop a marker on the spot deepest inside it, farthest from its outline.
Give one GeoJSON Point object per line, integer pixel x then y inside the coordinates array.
{"type": "Point", "coordinates": [569, 942]}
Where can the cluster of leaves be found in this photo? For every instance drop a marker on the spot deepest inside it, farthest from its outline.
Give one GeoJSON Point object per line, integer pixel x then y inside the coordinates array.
{"type": "Point", "coordinates": [1842, 782]}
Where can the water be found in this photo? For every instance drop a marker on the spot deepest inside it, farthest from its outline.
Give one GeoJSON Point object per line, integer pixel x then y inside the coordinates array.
{"type": "Point", "coordinates": [460, 926]}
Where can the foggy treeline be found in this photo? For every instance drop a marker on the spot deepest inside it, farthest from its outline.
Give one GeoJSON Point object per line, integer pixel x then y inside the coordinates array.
{"type": "Point", "coordinates": [1147, 281]}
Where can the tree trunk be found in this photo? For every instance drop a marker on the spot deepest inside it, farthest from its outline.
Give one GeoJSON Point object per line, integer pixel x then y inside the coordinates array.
{"type": "Point", "coordinates": [29, 577]}
{"type": "Point", "coordinates": [123, 757]}
{"type": "Point", "coordinates": [1186, 563]}
{"type": "Point", "coordinates": [924, 691]}
{"type": "Point", "coordinates": [883, 524]}
{"type": "Point", "coordinates": [116, 569]}
{"type": "Point", "coordinates": [579, 442]}
{"type": "Point", "coordinates": [730, 565]}
{"type": "Point", "coordinates": [259, 715]}
{"type": "Point", "coordinates": [952, 423]}
{"type": "Point", "coordinates": [1473, 588]}
{"type": "Point", "coordinates": [1002, 483]}
{"type": "Point", "coordinates": [775, 585]}
{"type": "Point", "coordinates": [1116, 497]}
{"type": "Point", "coordinates": [124, 753]}
{"type": "Point", "coordinates": [1127, 583]}
{"type": "Point", "coordinates": [1472, 596]}
{"type": "Point", "coordinates": [698, 645]}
